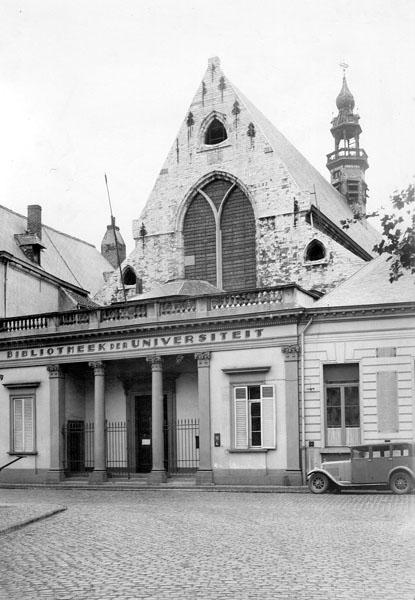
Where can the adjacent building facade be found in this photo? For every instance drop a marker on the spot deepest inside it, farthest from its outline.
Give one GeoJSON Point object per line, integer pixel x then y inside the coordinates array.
{"type": "Point", "coordinates": [231, 357]}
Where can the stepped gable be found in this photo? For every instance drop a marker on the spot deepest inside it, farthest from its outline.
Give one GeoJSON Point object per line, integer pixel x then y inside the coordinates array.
{"type": "Point", "coordinates": [68, 258]}
{"type": "Point", "coordinates": [371, 285]}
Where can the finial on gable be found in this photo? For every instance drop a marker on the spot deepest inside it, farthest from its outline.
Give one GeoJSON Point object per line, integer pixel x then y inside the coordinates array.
{"type": "Point", "coordinates": [214, 61]}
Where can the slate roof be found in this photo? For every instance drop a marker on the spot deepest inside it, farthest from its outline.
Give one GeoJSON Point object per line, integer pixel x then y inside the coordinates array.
{"type": "Point", "coordinates": [65, 257]}
{"type": "Point", "coordinates": [327, 199]}
{"type": "Point", "coordinates": [371, 285]}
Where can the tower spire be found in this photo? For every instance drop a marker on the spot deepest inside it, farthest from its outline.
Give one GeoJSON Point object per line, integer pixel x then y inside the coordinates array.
{"type": "Point", "coordinates": [348, 163]}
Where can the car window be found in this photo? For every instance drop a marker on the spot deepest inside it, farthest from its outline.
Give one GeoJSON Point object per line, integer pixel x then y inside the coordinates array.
{"type": "Point", "coordinates": [401, 452]}
{"type": "Point", "coordinates": [380, 453]}
{"type": "Point", "coordinates": [356, 453]}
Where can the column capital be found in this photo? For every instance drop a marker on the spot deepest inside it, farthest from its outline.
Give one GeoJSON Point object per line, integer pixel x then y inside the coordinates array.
{"type": "Point", "coordinates": [291, 352]}
{"type": "Point", "coordinates": [97, 366]}
{"type": "Point", "coordinates": [203, 359]}
{"type": "Point", "coordinates": [55, 371]}
{"type": "Point", "coordinates": [155, 361]}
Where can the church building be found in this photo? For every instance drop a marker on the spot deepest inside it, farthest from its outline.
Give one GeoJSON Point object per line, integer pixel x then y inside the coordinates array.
{"type": "Point", "coordinates": [194, 359]}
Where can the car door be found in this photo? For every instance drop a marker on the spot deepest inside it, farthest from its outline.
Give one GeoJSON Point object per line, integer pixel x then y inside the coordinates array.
{"type": "Point", "coordinates": [360, 461]}
{"type": "Point", "coordinates": [379, 464]}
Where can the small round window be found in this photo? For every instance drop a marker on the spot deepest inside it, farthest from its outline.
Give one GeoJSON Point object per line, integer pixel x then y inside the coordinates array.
{"type": "Point", "coordinates": [215, 133]}
{"type": "Point", "coordinates": [315, 251]}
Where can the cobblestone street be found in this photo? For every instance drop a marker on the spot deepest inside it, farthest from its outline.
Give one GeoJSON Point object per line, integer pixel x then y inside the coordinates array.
{"type": "Point", "coordinates": [187, 545]}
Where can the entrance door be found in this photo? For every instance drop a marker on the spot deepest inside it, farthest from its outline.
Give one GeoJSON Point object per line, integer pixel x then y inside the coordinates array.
{"type": "Point", "coordinates": [143, 434]}
{"type": "Point", "coordinates": [75, 446]}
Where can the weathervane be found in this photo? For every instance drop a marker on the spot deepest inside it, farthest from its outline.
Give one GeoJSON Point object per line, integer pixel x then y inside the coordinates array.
{"type": "Point", "coordinates": [344, 66]}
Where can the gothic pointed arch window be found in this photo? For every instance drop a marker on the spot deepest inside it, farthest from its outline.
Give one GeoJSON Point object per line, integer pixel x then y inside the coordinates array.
{"type": "Point", "coordinates": [215, 133]}
{"type": "Point", "coordinates": [128, 276]}
{"type": "Point", "coordinates": [219, 236]}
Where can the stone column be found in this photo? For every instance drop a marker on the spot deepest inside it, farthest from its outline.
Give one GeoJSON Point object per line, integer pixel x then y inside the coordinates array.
{"type": "Point", "coordinates": [99, 474]}
{"type": "Point", "coordinates": [57, 421]}
{"type": "Point", "coordinates": [291, 356]}
{"type": "Point", "coordinates": [158, 473]}
{"type": "Point", "coordinates": [204, 473]}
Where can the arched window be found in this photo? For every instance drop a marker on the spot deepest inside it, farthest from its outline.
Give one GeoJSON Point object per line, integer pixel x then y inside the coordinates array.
{"type": "Point", "coordinates": [215, 133]}
{"type": "Point", "coordinates": [129, 277]}
{"type": "Point", "coordinates": [219, 237]}
{"type": "Point", "coordinates": [315, 251]}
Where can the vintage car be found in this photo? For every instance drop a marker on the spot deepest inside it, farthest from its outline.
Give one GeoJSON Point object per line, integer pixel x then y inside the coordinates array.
{"type": "Point", "coordinates": [389, 465]}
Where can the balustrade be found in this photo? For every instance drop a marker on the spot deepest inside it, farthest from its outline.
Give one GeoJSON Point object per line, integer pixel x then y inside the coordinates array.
{"type": "Point", "coordinates": [177, 307]}
{"type": "Point", "coordinates": [151, 309]}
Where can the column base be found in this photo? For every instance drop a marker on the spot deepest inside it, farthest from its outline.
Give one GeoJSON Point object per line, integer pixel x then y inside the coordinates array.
{"type": "Point", "coordinates": [204, 477]}
{"type": "Point", "coordinates": [97, 477]}
{"type": "Point", "coordinates": [55, 475]}
{"type": "Point", "coordinates": [155, 477]}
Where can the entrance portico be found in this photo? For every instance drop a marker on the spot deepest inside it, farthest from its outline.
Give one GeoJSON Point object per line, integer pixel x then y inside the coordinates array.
{"type": "Point", "coordinates": [192, 392]}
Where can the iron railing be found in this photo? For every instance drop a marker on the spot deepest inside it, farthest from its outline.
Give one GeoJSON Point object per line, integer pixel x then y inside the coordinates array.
{"type": "Point", "coordinates": [181, 447]}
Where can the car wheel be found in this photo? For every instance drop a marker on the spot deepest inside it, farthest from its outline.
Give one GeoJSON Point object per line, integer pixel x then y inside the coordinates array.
{"type": "Point", "coordinates": [318, 483]}
{"type": "Point", "coordinates": [401, 482]}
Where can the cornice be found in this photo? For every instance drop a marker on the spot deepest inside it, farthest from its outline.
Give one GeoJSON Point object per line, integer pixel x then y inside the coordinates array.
{"type": "Point", "coordinates": [286, 317]}
{"type": "Point", "coordinates": [339, 313]}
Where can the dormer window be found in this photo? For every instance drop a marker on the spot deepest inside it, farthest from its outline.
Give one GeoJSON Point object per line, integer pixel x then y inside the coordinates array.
{"type": "Point", "coordinates": [215, 133]}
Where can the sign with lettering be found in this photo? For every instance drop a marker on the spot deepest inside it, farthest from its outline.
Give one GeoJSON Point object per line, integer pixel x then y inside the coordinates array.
{"type": "Point", "coordinates": [138, 343]}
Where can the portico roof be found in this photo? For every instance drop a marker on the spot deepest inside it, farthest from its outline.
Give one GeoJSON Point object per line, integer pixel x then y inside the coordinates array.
{"type": "Point", "coordinates": [179, 288]}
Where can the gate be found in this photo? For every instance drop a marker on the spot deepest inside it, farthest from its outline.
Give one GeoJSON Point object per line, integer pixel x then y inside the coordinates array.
{"type": "Point", "coordinates": [182, 445]}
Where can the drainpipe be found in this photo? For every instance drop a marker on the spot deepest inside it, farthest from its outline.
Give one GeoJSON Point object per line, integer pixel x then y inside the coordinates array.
{"type": "Point", "coordinates": [5, 289]}
{"type": "Point", "coordinates": [303, 390]}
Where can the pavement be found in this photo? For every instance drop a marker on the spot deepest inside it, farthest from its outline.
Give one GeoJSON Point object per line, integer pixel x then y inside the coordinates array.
{"type": "Point", "coordinates": [15, 516]}
{"type": "Point", "coordinates": [175, 544]}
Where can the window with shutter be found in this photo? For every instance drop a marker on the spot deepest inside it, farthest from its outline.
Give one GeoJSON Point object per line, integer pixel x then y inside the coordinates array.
{"type": "Point", "coordinates": [254, 417]}
{"type": "Point", "coordinates": [22, 426]}
{"type": "Point", "coordinates": [240, 395]}
{"type": "Point", "coordinates": [268, 416]}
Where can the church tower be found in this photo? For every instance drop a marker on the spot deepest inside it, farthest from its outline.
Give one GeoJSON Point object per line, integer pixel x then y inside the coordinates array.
{"type": "Point", "coordinates": [348, 163]}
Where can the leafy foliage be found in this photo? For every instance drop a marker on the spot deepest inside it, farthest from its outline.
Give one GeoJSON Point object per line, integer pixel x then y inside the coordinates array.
{"type": "Point", "coordinates": [398, 232]}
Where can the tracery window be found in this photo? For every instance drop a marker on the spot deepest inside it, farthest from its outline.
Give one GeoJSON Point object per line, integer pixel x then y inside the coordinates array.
{"type": "Point", "coordinates": [219, 236]}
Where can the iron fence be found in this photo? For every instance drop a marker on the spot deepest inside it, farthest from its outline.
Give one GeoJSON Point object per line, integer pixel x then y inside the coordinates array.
{"type": "Point", "coordinates": [181, 446]}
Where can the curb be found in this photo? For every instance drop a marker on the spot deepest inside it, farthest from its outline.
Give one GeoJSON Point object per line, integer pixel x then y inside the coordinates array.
{"type": "Point", "coordinates": [160, 487]}
{"type": "Point", "coordinates": [25, 522]}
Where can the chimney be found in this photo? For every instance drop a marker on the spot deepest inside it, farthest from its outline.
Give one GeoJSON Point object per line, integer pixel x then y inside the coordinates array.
{"type": "Point", "coordinates": [34, 220]}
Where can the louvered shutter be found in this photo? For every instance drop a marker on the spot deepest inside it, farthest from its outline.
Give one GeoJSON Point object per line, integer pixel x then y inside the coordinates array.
{"type": "Point", "coordinates": [240, 396]}
{"type": "Point", "coordinates": [18, 424]}
{"type": "Point", "coordinates": [28, 424]}
{"type": "Point", "coordinates": [268, 416]}
{"type": "Point", "coordinates": [23, 425]}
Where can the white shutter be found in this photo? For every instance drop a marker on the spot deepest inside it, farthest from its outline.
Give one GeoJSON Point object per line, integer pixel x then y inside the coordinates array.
{"type": "Point", "coordinates": [23, 425]}
{"type": "Point", "coordinates": [28, 424]}
{"type": "Point", "coordinates": [17, 424]}
{"type": "Point", "coordinates": [240, 402]}
{"type": "Point", "coordinates": [268, 416]}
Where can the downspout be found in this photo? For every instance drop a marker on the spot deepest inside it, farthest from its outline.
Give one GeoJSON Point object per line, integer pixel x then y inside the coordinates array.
{"type": "Point", "coordinates": [5, 290]}
{"type": "Point", "coordinates": [303, 392]}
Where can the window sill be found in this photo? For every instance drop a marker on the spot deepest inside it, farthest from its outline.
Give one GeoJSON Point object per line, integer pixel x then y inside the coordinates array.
{"type": "Point", "coordinates": [210, 147]}
{"type": "Point", "coordinates": [250, 450]}
{"type": "Point", "coordinates": [22, 453]}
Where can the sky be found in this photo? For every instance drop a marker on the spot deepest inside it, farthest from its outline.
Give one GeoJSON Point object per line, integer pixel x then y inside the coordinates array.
{"type": "Point", "coordinates": [89, 87]}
